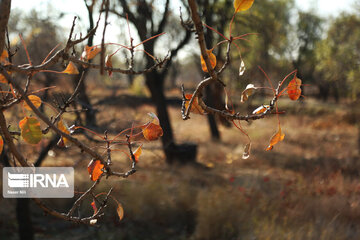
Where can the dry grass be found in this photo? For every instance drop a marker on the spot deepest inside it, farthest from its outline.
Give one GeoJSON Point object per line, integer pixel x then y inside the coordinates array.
{"type": "Point", "coordinates": [306, 188]}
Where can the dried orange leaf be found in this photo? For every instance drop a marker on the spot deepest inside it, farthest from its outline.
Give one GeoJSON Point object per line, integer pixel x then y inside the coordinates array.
{"type": "Point", "coordinates": [30, 130]}
{"type": "Point", "coordinates": [108, 63]}
{"type": "Point", "coordinates": [95, 169]}
{"type": "Point", "coordinates": [195, 107]}
{"type": "Point", "coordinates": [152, 130]}
{"type": "Point", "coordinates": [293, 89]}
{"type": "Point", "coordinates": [246, 153]}
{"type": "Point", "coordinates": [212, 58]}
{"type": "Point", "coordinates": [71, 69]}
{"type": "Point", "coordinates": [1, 144]}
{"type": "Point", "coordinates": [35, 100]}
{"type": "Point", "coordinates": [63, 142]}
{"type": "Point", "coordinates": [249, 90]}
{"type": "Point", "coordinates": [137, 153]}
{"type": "Point", "coordinates": [120, 211]}
{"type": "Point", "coordinates": [278, 137]}
{"type": "Point", "coordinates": [90, 52]}
{"type": "Point", "coordinates": [242, 5]}
{"type": "Point", "coordinates": [261, 109]}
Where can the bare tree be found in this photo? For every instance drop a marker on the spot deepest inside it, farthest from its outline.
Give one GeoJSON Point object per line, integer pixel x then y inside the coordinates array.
{"type": "Point", "coordinates": [143, 18]}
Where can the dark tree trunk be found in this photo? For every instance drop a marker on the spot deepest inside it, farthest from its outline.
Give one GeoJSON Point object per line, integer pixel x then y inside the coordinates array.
{"type": "Point", "coordinates": [324, 91]}
{"type": "Point", "coordinates": [215, 134]}
{"type": "Point", "coordinates": [336, 93]}
{"type": "Point", "coordinates": [23, 215]}
{"type": "Point", "coordinates": [209, 90]}
{"type": "Point", "coordinates": [184, 153]}
{"type": "Point", "coordinates": [83, 99]}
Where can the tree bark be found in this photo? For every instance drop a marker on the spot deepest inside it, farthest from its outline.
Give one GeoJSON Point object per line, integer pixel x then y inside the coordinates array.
{"type": "Point", "coordinates": [23, 215]}
{"type": "Point", "coordinates": [155, 83]}
{"type": "Point", "coordinates": [215, 134]}
{"type": "Point", "coordinates": [5, 6]}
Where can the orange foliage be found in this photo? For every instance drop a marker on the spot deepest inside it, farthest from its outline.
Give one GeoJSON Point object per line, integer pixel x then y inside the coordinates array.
{"type": "Point", "coordinates": [195, 107]}
{"type": "Point", "coordinates": [277, 137]}
{"type": "Point", "coordinates": [242, 5]}
{"type": "Point", "coordinates": [212, 58]}
{"type": "Point", "coordinates": [71, 69]}
{"type": "Point", "coordinates": [293, 89]}
{"type": "Point", "coordinates": [1, 144]}
{"type": "Point", "coordinates": [90, 52]}
{"type": "Point", "coordinates": [152, 130]}
{"type": "Point", "coordinates": [63, 142]}
{"type": "Point", "coordinates": [95, 169]}
{"type": "Point", "coordinates": [137, 153]}
{"type": "Point", "coordinates": [35, 100]}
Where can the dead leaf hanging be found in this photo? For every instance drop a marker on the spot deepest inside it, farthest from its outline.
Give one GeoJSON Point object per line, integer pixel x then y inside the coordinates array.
{"type": "Point", "coordinates": [90, 52]}
{"type": "Point", "coordinates": [30, 130]}
{"type": "Point", "coordinates": [277, 137]}
{"type": "Point", "coordinates": [195, 107]}
{"type": "Point", "coordinates": [35, 100]}
{"type": "Point", "coordinates": [249, 90]}
{"type": "Point", "coordinates": [293, 89]}
{"type": "Point", "coordinates": [95, 169]}
{"type": "Point", "coordinates": [242, 5]}
{"type": "Point", "coordinates": [71, 69]}
{"type": "Point", "coordinates": [212, 59]}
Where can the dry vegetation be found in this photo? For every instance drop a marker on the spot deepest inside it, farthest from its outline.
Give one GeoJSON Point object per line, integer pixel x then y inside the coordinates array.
{"type": "Point", "coordinates": [306, 188]}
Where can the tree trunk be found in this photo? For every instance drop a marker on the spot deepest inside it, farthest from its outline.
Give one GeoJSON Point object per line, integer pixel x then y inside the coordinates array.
{"type": "Point", "coordinates": [215, 134]}
{"type": "Point", "coordinates": [23, 215]}
{"type": "Point", "coordinates": [174, 153]}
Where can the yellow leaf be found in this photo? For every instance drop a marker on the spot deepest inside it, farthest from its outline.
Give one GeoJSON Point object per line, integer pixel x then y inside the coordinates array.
{"type": "Point", "coordinates": [90, 52]}
{"type": "Point", "coordinates": [242, 5]}
{"type": "Point", "coordinates": [64, 142]}
{"type": "Point", "coordinates": [212, 58]}
{"type": "Point", "coordinates": [277, 137]}
{"type": "Point", "coordinates": [71, 69]}
{"type": "Point", "coordinates": [249, 90]}
{"type": "Point", "coordinates": [36, 101]}
{"type": "Point", "coordinates": [30, 130]}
